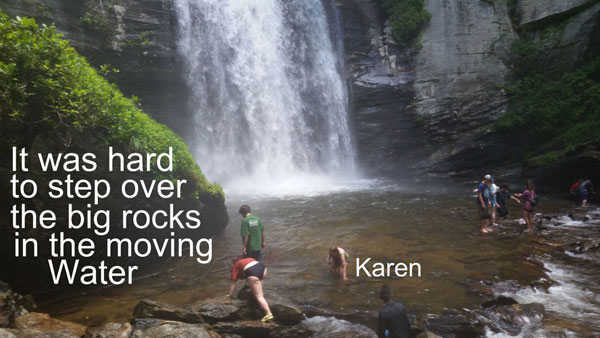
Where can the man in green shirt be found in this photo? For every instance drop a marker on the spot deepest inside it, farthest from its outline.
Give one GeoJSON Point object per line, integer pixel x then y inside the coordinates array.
{"type": "Point", "coordinates": [253, 235]}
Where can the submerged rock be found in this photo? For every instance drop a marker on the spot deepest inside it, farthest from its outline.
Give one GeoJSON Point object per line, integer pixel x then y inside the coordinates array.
{"type": "Point", "coordinates": [157, 328]}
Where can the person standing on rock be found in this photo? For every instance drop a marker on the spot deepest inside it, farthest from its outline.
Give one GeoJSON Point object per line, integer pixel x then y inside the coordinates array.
{"type": "Point", "coordinates": [253, 234]}
{"type": "Point", "coordinates": [529, 201]}
{"type": "Point", "coordinates": [253, 272]}
{"type": "Point", "coordinates": [393, 321]}
{"type": "Point", "coordinates": [483, 201]}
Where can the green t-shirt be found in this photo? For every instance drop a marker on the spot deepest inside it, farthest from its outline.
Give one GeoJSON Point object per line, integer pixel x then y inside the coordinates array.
{"type": "Point", "coordinates": [253, 228]}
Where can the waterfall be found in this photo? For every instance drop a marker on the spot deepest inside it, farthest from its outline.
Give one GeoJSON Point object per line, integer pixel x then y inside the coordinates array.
{"type": "Point", "coordinates": [269, 99]}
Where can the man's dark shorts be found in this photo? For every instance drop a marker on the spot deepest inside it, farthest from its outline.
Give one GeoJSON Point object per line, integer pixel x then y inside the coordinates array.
{"type": "Point", "coordinates": [254, 254]}
{"type": "Point", "coordinates": [502, 211]}
{"type": "Point", "coordinates": [484, 213]}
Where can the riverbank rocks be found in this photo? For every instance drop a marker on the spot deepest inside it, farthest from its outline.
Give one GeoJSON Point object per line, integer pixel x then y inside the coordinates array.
{"type": "Point", "coordinates": [10, 305]}
{"type": "Point", "coordinates": [43, 322]}
{"type": "Point", "coordinates": [150, 309]}
{"type": "Point", "coordinates": [157, 328]}
{"type": "Point", "coordinates": [257, 329]}
{"type": "Point", "coordinates": [507, 316]}
{"type": "Point", "coordinates": [110, 330]}
{"type": "Point", "coordinates": [454, 326]}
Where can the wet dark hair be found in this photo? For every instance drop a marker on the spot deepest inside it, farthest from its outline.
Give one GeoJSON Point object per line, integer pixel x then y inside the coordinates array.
{"type": "Point", "coordinates": [245, 209]}
{"type": "Point", "coordinates": [504, 185]}
{"type": "Point", "coordinates": [335, 254]}
{"type": "Point", "coordinates": [529, 184]}
{"type": "Point", "coordinates": [385, 293]}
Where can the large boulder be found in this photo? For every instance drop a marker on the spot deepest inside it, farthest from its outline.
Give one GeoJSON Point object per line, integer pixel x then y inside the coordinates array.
{"type": "Point", "coordinates": [110, 330]}
{"type": "Point", "coordinates": [454, 326]}
{"type": "Point", "coordinates": [29, 333]}
{"type": "Point", "coordinates": [157, 328]}
{"type": "Point", "coordinates": [257, 329]}
{"type": "Point", "coordinates": [511, 318]}
{"type": "Point", "coordinates": [43, 322]}
{"type": "Point", "coordinates": [222, 309]}
{"type": "Point", "coordinates": [151, 309]}
{"type": "Point", "coordinates": [286, 314]}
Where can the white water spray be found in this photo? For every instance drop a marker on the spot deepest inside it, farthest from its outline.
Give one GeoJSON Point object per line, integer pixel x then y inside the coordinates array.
{"type": "Point", "coordinates": [269, 98]}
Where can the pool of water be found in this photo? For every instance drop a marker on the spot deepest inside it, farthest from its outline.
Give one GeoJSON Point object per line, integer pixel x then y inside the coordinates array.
{"type": "Point", "coordinates": [437, 228]}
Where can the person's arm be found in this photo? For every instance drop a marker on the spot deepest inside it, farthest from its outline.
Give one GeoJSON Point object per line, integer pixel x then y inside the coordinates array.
{"type": "Point", "coordinates": [245, 241]}
{"type": "Point", "coordinates": [480, 197]}
{"type": "Point", "coordinates": [514, 198]}
{"type": "Point", "coordinates": [232, 287]}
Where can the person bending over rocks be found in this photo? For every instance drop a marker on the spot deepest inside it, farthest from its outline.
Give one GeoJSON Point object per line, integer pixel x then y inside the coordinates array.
{"type": "Point", "coordinates": [338, 261]}
{"type": "Point", "coordinates": [253, 272]}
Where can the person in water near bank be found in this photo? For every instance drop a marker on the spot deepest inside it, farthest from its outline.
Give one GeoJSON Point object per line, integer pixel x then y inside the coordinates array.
{"type": "Point", "coordinates": [338, 262]}
{"type": "Point", "coordinates": [502, 197]}
{"type": "Point", "coordinates": [493, 202]}
{"type": "Point", "coordinates": [253, 234]}
{"type": "Point", "coordinates": [393, 321]}
{"type": "Point", "coordinates": [253, 272]}
{"type": "Point", "coordinates": [483, 201]}
{"type": "Point", "coordinates": [529, 199]}
{"type": "Point", "coordinates": [582, 188]}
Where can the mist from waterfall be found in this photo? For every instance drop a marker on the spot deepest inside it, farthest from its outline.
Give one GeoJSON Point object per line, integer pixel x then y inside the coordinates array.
{"type": "Point", "coordinates": [268, 93]}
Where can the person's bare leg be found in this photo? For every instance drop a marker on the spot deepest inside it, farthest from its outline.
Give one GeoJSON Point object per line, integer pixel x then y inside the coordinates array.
{"type": "Point", "coordinates": [343, 271]}
{"type": "Point", "coordinates": [256, 288]}
{"type": "Point", "coordinates": [494, 216]}
{"type": "Point", "coordinates": [527, 217]}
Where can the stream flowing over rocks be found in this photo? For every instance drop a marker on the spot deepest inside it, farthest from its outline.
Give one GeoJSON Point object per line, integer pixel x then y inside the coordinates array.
{"type": "Point", "coordinates": [558, 298]}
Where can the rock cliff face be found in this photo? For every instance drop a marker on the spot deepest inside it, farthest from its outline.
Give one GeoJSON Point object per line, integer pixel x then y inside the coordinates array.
{"type": "Point", "coordinates": [136, 37]}
{"type": "Point", "coordinates": [430, 108]}
{"type": "Point", "coordinates": [381, 87]}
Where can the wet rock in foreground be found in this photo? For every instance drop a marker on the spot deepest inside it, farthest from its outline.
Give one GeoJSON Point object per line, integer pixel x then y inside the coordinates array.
{"type": "Point", "coordinates": [454, 326]}
{"type": "Point", "coordinates": [110, 330]}
{"type": "Point", "coordinates": [157, 328]}
{"type": "Point", "coordinates": [43, 322]}
{"type": "Point", "coordinates": [151, 309]}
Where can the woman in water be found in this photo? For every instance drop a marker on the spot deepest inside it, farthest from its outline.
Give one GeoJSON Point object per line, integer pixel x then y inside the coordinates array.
{"type": "Point", "coordinates": [528, 196]}
{"type": "Point", "coordinates": [253, 272]}
{"type": "Point", "coordinates": [338, 261]}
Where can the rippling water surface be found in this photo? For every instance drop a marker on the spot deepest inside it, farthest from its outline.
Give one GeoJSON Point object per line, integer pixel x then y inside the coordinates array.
{"type": "Point", "coordinates": [435, 227]}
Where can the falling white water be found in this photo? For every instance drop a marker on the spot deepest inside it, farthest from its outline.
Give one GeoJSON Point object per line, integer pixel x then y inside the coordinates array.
{"type": "Point", "coordinates": [269, 99]}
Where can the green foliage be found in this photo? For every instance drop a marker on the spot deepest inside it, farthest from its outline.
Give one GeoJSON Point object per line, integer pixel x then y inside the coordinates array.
{"type": "Point", "coordinates": [407, 17]}
{"type": "Point", "coordinates": [525, 58]}
{"type": "Point", "coordinates": [142, 40]}
{"type": "Point", "coordinates": [46, 88]}
{"type": "Point", "coordinates": [553, 117]}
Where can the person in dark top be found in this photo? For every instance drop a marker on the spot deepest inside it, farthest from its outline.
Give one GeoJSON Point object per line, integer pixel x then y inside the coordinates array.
{"type": "Point", "coordinates": [502, 199]}
{"type": "Point", "coordinates": [393, 321]}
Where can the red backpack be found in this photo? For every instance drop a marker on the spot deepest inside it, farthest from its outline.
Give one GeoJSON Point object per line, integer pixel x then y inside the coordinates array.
{"type": "Point", "coordinates": [574, 186]}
